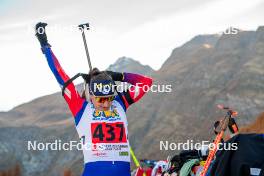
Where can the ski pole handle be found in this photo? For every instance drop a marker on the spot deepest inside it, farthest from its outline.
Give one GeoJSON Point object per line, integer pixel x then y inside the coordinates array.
{"type": "Point", "coordinates": [84, 26]}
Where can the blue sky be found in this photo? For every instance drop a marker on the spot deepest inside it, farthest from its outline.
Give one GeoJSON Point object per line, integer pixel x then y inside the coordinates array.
{"type": "Point", "coordinates": [141, 29]}
{"type": "Point", "coordinates": [4, 5]}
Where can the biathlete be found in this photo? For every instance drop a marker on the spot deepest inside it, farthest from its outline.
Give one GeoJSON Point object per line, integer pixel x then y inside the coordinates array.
{"type": "Point", "coordinates": [101, 120]}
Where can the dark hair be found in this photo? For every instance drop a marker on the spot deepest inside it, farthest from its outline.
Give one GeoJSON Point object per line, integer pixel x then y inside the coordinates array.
{"type": "Point", "coordinates": [96, 74]}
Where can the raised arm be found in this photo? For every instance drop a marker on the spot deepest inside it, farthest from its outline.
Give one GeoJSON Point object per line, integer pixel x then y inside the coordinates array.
{"type": "Point", "coordinates": [140, 85]}
{"type": "Point", "coordinates": [71, 95]}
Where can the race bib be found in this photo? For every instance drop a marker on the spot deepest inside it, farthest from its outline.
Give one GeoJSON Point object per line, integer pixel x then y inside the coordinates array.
{"type": "Point", "coordinates": [103, 132]}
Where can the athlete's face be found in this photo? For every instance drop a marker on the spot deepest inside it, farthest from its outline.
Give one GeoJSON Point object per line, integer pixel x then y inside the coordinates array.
{"type": "Point", "coordinates": [101, 105]}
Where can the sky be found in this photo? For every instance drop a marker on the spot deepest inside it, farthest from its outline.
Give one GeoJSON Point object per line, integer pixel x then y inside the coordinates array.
{"type": "Point", "coordinates": [144, 30]}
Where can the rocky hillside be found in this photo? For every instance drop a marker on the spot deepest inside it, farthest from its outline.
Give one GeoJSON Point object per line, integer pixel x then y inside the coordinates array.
{"type": "Point", "coordinates": [204, 72]}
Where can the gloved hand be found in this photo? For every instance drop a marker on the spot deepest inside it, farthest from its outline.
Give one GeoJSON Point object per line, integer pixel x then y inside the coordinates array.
{"type": "Point", "coordinates": [87, 77]}
{"type": "Point", "coordinates": [116, 76]}
{"type": "Point", "coordinates": [41, 34]}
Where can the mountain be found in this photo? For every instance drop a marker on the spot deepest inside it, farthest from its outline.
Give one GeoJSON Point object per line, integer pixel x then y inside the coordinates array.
{"type": "Point", "coordinates": [206, 71]}
{"type": "Point", "coordinates": [125, 64]}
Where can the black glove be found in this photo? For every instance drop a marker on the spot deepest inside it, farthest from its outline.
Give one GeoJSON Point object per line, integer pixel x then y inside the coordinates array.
{"type": "Point", "coordinates": [41, 34]}
{"type": "Point", "coordinates": [116, 76]}
{"type": "Point", "coordinates": [87, 78]}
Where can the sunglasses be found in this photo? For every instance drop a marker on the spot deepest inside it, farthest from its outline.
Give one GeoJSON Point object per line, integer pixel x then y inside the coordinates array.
{"type": "Point", "coordinates": [104, 99]}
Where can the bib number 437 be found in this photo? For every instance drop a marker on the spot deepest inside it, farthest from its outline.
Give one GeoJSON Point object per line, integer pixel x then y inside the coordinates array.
{"type": "Point", "coordinates": [108, 132]}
